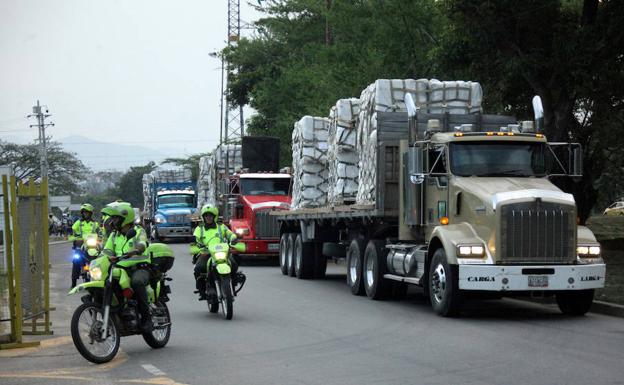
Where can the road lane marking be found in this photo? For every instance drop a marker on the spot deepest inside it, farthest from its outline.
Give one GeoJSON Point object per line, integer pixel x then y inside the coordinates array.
{"type": "Point", "coordinates": [154, 381]}
{"type": "Point", "coordinates": [153, 370]}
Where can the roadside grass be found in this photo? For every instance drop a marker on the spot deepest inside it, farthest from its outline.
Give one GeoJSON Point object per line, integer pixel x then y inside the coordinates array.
{"type": "Point", "coordinates": [609, 231]}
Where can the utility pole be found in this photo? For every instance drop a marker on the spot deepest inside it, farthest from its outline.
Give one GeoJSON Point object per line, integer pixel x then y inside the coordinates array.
{"type": "Point", "coordinates": [41, 124]}
{"type": "Point", "coordinates": [234, 124]}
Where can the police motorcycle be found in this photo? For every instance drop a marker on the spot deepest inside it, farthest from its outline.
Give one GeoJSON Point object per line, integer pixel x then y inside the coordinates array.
{"type": "Point", "coordinates": [220, 276]}
{"type": "Point", "coordinates": [109, 310]}
{"type": "Point", "coordinates": [83, 255]}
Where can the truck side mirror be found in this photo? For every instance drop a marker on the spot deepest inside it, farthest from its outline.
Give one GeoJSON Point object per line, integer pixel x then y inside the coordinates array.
{"type": "Point", "coordinates": [576, 163]}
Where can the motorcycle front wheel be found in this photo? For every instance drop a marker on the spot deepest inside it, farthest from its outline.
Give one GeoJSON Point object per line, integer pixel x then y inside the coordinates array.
{"type": "Point", "coordinates": [86, 325]}
{"type": "Point", "coordinates": [159, 337]}
{"type": "Point", "coordinates": [227, 297]}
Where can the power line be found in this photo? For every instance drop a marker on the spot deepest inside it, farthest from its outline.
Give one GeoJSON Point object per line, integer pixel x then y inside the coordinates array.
{"type": "Point", "coordinates": [146, 141]}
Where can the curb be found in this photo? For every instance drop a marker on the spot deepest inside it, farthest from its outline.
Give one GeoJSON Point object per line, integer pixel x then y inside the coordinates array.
{"type": "Point", "coordinates": [58, 242]}
{"type": "Point", "coordinates": [607, 308]}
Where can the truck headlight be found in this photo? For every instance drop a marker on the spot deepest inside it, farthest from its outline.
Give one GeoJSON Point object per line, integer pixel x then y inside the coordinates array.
{"type": "Point", "coordinates": [242, 231]}
{"type": "Point", "coordinates": [160, 219]}
{"type": "Point", "coordinates": [470, 251]}
{"type": "Point", "coordinates": [588, 251]}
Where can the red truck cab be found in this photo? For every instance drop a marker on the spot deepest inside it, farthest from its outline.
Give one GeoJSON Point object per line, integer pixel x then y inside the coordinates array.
{"type": "Point", "coordinates": [252, 197]}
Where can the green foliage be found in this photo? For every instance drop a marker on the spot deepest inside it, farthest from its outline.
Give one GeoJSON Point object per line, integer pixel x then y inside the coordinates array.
{"type": "Point", "coordinates": [309, 53]}
{"type": "Point", "coordinates": [65, 170]}
{"type": "Point", "coordinates": [130, 186]}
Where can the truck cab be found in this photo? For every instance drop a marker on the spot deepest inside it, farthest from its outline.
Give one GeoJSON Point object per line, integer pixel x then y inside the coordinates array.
{"type": "Point", "coordinates": [173, 211]}
{"type": "Point", "coordinates": [253, 196]}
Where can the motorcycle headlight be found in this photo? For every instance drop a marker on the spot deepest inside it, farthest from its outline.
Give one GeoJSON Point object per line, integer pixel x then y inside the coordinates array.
{"type": "Point", "coordinates": [92, 242]}
{"type": "Point", "coordinates": [95, 271]}
{"type": "Point", "coordinates": [220, 255]}
{"type": "Point", "coordinates": [242, 231]}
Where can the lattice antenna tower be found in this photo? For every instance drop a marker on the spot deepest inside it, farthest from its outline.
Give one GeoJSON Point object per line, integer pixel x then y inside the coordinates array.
{"type": "Point", "coordinates": [234, 127]}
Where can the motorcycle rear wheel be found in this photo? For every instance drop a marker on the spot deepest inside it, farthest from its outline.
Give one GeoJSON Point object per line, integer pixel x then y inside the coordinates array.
{"type": "Point", "coordinates": [158, 338]}
{"type": "Point", "coordinates": [85, 319]}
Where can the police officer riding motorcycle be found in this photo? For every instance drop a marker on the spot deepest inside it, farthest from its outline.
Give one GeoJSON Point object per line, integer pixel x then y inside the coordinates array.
{"type": "Point", "coordinates": [82, 229]}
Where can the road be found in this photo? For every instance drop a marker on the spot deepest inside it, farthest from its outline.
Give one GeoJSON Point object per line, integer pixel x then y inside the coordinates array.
{"type": "Point", "coordinates": [289, 331]}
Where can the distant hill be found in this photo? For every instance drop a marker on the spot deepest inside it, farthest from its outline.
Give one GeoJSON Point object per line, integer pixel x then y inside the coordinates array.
{"type": "Point", "coordinates": [100, 156]}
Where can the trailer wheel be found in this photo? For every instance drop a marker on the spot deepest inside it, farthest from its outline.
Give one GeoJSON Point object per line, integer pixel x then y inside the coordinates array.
{"type": "Point", "coordinates": [320, 262]}
{"type": "Point", "coordinates": [304, 258]}
{"type": "Point", "coordinates": [374, 268]}
{"type": "Point", "coordinates": [355, 258]}
{"type": "Point", "coordinates": [443, 286]}
{"type": "Point", "coordinates": [283, 253]}
{"type": "Point", "coordinates": [576, 302]}
{"type": "Point", "coordinates": [290, 255]}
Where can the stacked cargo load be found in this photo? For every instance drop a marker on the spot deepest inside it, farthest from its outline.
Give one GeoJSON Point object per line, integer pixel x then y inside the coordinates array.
{"type": "Point", "coordinates": [343, 154]}
{"type": "Point", "coordinates": [230, 155]}
{"type": "Point", "coordinates": [147, 201]}
{"type": "Point", "coordinates": [206, 181]}
{"type": "Point", "coordinates": [172, 176]}
{"type": "Point", "coordinates": [386, 95]}
{"type": "Point", "coordinates": [310, 172]}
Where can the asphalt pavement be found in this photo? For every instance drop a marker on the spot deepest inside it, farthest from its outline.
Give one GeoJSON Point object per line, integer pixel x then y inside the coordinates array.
{"type": "Point", "coordinates": [290, 331]}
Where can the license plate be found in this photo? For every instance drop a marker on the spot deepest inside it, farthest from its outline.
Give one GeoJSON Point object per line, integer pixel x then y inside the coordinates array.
{"type": "Point", "coordinates": [538, 281]}
{"type": "Point", "coordinates": [273, 246]}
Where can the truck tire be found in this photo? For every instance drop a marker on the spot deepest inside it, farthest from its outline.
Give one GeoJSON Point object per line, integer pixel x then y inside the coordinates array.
{"type": "Point", "coordinates": [290, 255]}
{"type": "Point", "coordinates": [320, 262]}
{"type": "Point", "coordinates": [575, 302]}
{"type": "Point", "coordinates": [373, 270]}
{"type": "Point", "coordinates": [355, 258]}
{"type": "Point", "coordinates": [304, 258]}
{"type": "Point", "coordinates": [283, 253]}
{"type": "Point", "coordinates": [443, 286]}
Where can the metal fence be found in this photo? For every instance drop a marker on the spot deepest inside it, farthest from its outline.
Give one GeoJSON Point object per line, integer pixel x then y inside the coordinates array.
{"type": "Point", "coordinates": [25, 262]}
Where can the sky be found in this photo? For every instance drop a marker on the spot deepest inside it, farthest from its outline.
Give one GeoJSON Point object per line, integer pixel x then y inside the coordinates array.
{"type": "Point", "coordinates": [136, 72]}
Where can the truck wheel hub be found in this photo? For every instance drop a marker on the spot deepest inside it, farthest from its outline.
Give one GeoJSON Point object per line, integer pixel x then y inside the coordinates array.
{"type": "Point", "coordinates": [438, 283]}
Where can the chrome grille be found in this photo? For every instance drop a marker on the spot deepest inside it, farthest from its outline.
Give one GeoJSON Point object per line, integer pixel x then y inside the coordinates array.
{"type": "Point", "coordinates": [178, 218]}
{"type": "Point", "coordinates": [537, 232]}
{"type": "Point", "coordinates": [266, 225]}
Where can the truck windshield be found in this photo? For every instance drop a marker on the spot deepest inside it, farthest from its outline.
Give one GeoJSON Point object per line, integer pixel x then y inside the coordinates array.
{"type": "Point", "coordinates": [264, 186]}
{"type": "Point", "coordinates": [522, 159]}
{"type": "Point", "coordinates": [175, 200]}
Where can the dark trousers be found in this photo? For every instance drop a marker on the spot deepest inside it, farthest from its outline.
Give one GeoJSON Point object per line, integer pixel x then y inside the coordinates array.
{"type": "Point", "coordinates": [139, 279]}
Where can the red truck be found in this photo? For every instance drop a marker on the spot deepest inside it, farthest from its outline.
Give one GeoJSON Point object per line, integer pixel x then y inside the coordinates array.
{"type": "Point", "coordinates": [246, 197]}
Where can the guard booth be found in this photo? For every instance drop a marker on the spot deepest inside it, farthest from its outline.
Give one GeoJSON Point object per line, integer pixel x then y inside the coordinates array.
{"type": "Point", "coordinates": [24, 263]}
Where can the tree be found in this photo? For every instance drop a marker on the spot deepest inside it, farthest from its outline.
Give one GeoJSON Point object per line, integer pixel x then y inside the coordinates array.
{"type": "Point", "coordinates": [130, 186]}
{"type": "Point", "coordinates": [571, 53]}
{"type": "Point", "coordinates": [65, 170]}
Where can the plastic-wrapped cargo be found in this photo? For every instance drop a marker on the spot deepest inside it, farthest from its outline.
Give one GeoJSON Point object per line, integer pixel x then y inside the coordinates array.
{"type": "Point", "coordinates": [230, 154]}
{"type": "Point", "coordinates": [147, 202]}
{"type": "Point", "coordinates": [310, 171]}
{"type": "Point", "coordinates": [388, 95]}
{"type": "Point", "coordinates": [343, 155]}
{"type": "Point", "coordinates": [206, 181]}
{"type": "Point", "coordinates": [171, 176]}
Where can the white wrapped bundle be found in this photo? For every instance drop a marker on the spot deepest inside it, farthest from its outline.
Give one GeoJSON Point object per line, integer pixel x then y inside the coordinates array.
{"type": "Point", "coordinates": [206, 181]}
{"type": "Point", "coordinates": [230, 152]}
{"type": "Point", "coordinates": [147, 203]}
{"type": "Point", "coordinates": [310, 162]}
{"type": "Point", "coordinates": [172, 176]}
{"type": "Point", "coordinates": [454, 97]}
{"type": "Point", "coordinates": [432, 96]}
{"type": "Point", "coordinates": [343, 151]}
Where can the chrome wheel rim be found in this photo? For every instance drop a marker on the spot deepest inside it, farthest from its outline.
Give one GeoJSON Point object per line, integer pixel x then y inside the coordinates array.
{"type": "Point", "coordinates": [298, 256]}
{"type": "Point", "coordinates": [370, 270]}
{"type": "Point", "coordinates": [90, 324]}
{"type": "Point", "coordinates": [438, 283]}
{"type": "Point", "coordinates": [283, 253]}
{"type": "Point", "coordinates": [353, 268]}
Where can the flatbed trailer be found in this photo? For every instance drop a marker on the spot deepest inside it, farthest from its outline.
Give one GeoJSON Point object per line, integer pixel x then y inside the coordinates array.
{"type": "Point", "coordinates": [449, 234]}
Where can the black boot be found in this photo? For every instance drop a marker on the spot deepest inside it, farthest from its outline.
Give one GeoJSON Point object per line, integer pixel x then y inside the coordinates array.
{"type": "Point", "coordinates": [200, 284]}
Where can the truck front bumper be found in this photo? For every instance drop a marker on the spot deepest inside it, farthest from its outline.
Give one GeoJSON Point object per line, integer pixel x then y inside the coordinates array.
{"type": "Point", "coordinates": [531, 278]}
{"type": "Point", "coordinates": [174, 231]}
{"type": "Point", "coordinates": [264, 247]}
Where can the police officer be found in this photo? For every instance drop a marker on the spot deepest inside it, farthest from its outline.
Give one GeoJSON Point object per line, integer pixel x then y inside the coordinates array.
{"type": "Point", "coordinates": [80, 230]}
{"type": "Point", "coordinates": [126, 241]}
{"type": "Point", "coordinates": [207, 232]}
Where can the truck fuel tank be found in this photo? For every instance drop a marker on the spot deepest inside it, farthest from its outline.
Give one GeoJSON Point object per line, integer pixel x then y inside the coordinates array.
{"type": "Point", "coordinates": [406, 260]}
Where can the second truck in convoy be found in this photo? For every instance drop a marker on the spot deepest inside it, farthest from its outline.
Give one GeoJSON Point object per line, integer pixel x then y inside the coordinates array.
{"type": "Point", "coordinates": [463, 207]}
